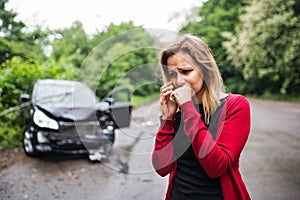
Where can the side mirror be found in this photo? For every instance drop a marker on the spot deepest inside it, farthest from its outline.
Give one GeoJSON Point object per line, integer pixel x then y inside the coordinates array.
{"type": "Point", "coordinates": [24, 98]}
{"type": "Point", "coordinates": [109, 100]}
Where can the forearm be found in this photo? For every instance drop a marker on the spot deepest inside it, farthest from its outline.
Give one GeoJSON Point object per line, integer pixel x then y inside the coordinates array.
{"type": "Point", "coordinates": [163, 158]}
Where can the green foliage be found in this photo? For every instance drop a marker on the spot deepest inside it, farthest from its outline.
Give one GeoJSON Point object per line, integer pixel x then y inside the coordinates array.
{"type": "Point", "coordinates": [10, 134]}
{"type": "Point", "coordinates": [64, 68]}
{"type": "Point", "coordinates": [16, 78]}
{"type": "Point", "coordinates": [111, 31]}
{"type": "Point", "coordinates": [14, 41]}
{"type": "Point", "coordinates": [267, 47]}
{"type": "Point", "coordinates": [9, 27]}
{"type": "Point", "coordinates": [69, 42]}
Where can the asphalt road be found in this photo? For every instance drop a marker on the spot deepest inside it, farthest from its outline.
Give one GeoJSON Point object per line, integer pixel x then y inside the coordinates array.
{"type": "Point", "coordinates": [269, 163]}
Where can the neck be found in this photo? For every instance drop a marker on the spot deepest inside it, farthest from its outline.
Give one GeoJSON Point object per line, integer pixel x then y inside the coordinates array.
{"type": "Point", "coordinates": [198, 97]}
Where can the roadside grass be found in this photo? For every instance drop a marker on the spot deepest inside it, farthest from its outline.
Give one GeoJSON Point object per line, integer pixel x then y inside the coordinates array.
{"type": "Point", "coordinates": [276, 97]}
{"type": "Point", "coordinates": [138, 101]}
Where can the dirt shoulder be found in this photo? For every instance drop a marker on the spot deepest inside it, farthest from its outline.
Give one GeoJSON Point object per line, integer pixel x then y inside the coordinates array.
{"type": "Point", "coordinates": [10, 156]}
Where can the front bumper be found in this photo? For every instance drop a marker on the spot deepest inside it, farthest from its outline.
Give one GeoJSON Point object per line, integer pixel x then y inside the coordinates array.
{"type": "Point", "coordinates": [72, 146]}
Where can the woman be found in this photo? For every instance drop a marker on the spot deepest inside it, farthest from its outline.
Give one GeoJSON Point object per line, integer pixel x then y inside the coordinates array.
{"type": "Point", "coordinates": [203, 130]}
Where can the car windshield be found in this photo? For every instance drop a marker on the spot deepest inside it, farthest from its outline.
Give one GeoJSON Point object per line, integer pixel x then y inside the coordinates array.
{"type": "Point", "coordinates": [62, 94]}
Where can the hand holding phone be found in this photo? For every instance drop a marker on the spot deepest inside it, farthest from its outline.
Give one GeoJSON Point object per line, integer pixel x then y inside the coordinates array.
{"type": "Point", "coordinates": [168, 106]}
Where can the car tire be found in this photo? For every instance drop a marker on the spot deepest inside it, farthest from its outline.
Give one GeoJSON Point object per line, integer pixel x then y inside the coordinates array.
{"type": "Point", "coordinates": [28, 144]}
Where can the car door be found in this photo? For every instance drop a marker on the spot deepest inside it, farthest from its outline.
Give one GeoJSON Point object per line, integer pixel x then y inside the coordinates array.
{"type": "Point", "coordinates": [121, 106]}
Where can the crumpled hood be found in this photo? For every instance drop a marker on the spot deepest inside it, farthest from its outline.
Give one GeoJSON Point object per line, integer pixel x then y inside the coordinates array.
{"type": "Point", "coordinates": [71, 113]}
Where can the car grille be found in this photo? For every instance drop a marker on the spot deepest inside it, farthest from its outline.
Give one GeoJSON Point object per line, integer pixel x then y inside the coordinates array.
{"type": "Point", "coordinates": [79, 128]}
{"type": "Point", "coordinates": [77, 132]}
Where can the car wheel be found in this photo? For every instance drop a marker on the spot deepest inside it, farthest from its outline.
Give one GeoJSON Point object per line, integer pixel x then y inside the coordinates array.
{"type": "Point", "coordinates": [27, 143]}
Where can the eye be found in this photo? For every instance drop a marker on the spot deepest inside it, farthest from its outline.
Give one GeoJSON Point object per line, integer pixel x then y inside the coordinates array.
{"type": "Point", "coordinates": [187, 71]}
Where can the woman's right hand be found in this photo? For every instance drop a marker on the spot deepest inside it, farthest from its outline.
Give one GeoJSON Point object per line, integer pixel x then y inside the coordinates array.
{"type": "Point", "coordinates": [168, 106]}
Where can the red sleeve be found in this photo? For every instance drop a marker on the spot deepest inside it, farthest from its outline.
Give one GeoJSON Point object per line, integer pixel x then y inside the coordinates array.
{"type": "Point", "coordinates": [163, 158]}
{"type": "Point", "coordinates": [216, 157]}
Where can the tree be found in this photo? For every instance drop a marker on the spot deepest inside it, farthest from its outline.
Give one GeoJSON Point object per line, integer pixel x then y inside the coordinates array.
{"type": "Point", "coordinates": [11, 29]}
{"type": "Point", "coordinates": [71, 43]}
{"type": "Point", "coordinates": [267, 47]}
{"type": "Point", "coordinates": [14, 41]}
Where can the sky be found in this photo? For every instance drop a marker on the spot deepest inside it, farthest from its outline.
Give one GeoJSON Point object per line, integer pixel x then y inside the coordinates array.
{"type": "Point", "coordinates": [97, 14]}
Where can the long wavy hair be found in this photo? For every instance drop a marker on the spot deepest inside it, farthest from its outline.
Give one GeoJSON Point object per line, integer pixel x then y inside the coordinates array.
{"type": "Point", "coordinates": [201, 55]}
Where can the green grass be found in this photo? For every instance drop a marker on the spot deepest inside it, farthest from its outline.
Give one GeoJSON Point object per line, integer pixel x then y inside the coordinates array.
{"type": "Point", "coordinates": [278, 97]}
{"type": "Point", "coordinates": [138, 101]}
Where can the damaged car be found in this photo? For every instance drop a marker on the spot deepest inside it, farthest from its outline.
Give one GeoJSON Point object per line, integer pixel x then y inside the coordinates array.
{"type": "Point", "coordinates": [66, 117]}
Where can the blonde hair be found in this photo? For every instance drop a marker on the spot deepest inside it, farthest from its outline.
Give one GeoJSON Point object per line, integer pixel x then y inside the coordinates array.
{"type": "Point", "coordinates": [199, 51]}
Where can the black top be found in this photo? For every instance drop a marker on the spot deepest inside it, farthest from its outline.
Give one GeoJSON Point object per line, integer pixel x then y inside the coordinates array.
{"type": "Point", "coordinates": [190, 180]}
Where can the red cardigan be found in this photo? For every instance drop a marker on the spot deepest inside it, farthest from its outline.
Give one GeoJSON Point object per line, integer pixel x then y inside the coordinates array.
{"type": "Point", "coordinates": [220, 157]}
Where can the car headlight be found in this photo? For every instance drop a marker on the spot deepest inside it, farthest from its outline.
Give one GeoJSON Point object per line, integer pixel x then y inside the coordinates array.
{"type": "Point", "coordinates": [43, 121]}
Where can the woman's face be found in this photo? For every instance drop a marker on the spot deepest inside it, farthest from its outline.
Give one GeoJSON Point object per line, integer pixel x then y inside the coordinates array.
{"type": "Point", "coordinates": [182, 70]}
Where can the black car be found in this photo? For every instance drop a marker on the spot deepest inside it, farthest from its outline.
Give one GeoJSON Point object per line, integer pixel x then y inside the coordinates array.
{"type": "Point", "coordinates": [66, 117]}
